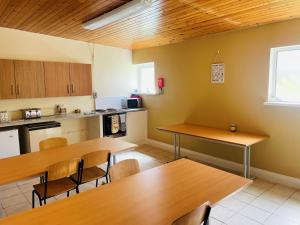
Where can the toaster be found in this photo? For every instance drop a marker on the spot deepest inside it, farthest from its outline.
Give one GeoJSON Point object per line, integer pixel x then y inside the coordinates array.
{"type": "Point", "coordinates": [3, 116]}
{"type": "Point", "coordinates": [31, 113]}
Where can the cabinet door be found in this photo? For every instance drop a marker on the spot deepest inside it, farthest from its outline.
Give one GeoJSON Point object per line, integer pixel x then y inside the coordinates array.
{"type": "Point", "coordinates": [57, 79]}
{"type": "Point", "coordinates": [7, 79]}
{"type": "Point", "coordinates": [30, 81]}
{"type": "Point", "coordinates": [81, 79]}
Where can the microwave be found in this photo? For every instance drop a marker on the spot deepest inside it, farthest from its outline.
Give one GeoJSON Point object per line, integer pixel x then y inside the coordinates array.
{"type": "Point", "coordinates": [131, 103]}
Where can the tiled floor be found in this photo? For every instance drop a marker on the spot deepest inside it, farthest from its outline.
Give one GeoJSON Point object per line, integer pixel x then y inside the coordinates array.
{"type": "Point", "coordinates": [261, 203]}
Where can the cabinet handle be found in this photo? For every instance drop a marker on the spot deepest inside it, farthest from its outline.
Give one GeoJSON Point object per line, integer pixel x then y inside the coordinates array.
{"type": "Point", "coordinates": [68, 88]}
{"type": "Point", "coordinates": [72, 88]}
{"type": "Point", "coordinates": [17, 90]}
{"type": "Point", "coordinates": [12, 89]}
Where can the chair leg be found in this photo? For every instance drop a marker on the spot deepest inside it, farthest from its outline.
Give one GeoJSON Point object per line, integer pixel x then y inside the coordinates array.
{"type": "Point", "coordinates": [45, 202]}
{"type": "Point", "coordinates": [32, 199]}
{"type": "Point", "coordinates": [68, 194]}
{"type": "Point", "coordinates": [106, 179]}
{"type": "Point", "coordinates": [77, 190]}
{"type": "Point", "coordinates": [97, 183]}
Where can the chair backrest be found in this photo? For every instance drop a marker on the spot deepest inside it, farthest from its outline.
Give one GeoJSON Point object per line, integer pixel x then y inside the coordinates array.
{"type": "Point", "coordinates": [95, 158]}
{"type": "Point", "coordinates": [54, 142]}
{"type": "Point", "coordinates": [63, 169]}
{"type": "Point", "coordinates": [196, 217]}
{"type": "Point", "coordinates": [123, 169]}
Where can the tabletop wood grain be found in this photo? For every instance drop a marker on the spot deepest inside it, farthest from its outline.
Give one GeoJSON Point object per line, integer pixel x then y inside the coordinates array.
{"type": "Point", "coordinates": [154, 197]}
{"type": "Point", "coordinates": [32, 164]}
{"type": "Point", "coordinates": [214, 134]}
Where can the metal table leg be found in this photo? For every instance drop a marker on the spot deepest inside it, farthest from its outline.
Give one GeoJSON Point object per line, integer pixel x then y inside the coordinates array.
{"type": "Point", "coordinates": [175, 146]}
{"type": "Point", "coordinates": [247, 162]}
{"type": "Point", "coordinates": [178, 147]}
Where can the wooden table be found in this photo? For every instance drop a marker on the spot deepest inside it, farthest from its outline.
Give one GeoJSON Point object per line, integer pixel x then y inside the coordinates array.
{"type": "Point", "coordinates": [153, 197]}
{"type": "Point", "coordinates": [33, 164]}
{"type": "Point", "coordinates": [237, 139]}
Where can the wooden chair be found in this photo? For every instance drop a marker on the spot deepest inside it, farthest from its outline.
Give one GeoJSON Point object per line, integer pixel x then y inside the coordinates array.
{"type": "Point", "coordinates": [90, 171]}
{"type": "Point", "coordinates": [196, 217]}
{"type": "Point", "coordinates": [51, 143]}
{"type": "Point", "coordinates": [123, 169]}
{"type": "Point", "coordinates": [57, 180]}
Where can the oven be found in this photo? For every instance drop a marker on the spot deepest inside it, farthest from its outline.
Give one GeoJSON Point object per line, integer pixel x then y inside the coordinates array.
{"type": "Point", "coordinates": [114, 124]}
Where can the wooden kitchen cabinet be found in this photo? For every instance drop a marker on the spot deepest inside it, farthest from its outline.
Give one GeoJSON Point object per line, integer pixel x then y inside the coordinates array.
{"type": "Point", "coordinates": [57, 79]}
{"type": "Point", "coordinates": [81, 79]}
{"type": "Point", "coordinates": [7, 79]}
{"type": "Point", "coordinates": [30, 80]}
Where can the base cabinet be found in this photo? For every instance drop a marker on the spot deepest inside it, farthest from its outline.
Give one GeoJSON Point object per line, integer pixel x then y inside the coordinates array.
{"type": "Point", "coordinates": [137, 127]}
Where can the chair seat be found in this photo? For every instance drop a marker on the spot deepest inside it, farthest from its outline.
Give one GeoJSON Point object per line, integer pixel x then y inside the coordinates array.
{"type": "Point", "coordinates": [90, 174]}
{"type": "Point", "coordinates": [55, 187]}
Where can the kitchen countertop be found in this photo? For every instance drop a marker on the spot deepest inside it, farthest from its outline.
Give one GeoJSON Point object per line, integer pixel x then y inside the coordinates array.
{"type": "Point", "coordinates": [61, 117]}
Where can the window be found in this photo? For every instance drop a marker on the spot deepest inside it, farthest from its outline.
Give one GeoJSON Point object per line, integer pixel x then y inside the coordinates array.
{"type": "Point", "coordinates": [284, 81]}
{"type": "Point", "coordinates": [146, 78]}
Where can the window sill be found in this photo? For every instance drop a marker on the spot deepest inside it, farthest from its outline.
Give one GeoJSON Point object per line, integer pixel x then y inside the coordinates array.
{"type": "Point", "coordinates": [283, 104]}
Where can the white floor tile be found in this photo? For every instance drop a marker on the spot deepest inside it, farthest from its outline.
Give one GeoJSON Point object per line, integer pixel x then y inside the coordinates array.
{"type": "Point", "coordinates": [265, 204]}
{"type": "Point", "coordinates": [290, 210]}
{"type": "Point", "coordinates": [256, 214]}
{"type": "Point", "coordinates": [213, 221]}
{"type": "Point", "coordinates": [241, 220]}
{"type": "Point", "coordinates": [244, 197]}
{"type": "Point", "coordinates": [17, 208]}
{"type": "Point", "coordinates": [278, 220]}
{"type": "Point", "coordinates": [255, 190]}
{"type": "Point", "coordinates": [221, 213]}
{"type": "Point", "coordinates": [9, 192]}
{"type": "Point", "coordinates": [13, 200]}
{"type": "Point", "coordinates": [283, 190]}
{"type": "Point", "coordinates": [233, 204]}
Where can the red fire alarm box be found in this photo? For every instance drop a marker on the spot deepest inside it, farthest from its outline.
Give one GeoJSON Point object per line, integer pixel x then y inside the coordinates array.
{"type": "Point", "coordinates": [161, 84]}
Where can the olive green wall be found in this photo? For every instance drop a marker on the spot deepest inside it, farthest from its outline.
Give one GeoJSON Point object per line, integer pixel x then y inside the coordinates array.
{"type": "Point", "coordinates": [190, 96]}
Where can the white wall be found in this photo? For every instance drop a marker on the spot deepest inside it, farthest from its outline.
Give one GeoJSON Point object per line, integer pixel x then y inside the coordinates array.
{"type": "Point", "coordinates": [113, 73]}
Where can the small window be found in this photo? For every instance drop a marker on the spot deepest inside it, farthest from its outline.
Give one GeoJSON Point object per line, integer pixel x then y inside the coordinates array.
{"type": "Point", "coordinates": [284, 83]}
{"type": "Point", "coordinates": [146, 78]}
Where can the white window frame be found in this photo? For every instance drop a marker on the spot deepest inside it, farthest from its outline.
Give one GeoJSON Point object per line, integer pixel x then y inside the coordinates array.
{"type": "Point", "coordinates": [139, 67]}
{"type": "Point", "coordinates": [272, 98]}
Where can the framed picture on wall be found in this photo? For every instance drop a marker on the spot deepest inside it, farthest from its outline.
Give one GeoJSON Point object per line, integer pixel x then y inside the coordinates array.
{"type": "Point", "coordinates": [218, 73]}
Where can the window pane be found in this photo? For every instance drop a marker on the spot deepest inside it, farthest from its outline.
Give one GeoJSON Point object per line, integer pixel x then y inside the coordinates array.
{"type": "Point", "coordinates": [146, 78]}
{"type": "Point", "coordinates": [288, 76]}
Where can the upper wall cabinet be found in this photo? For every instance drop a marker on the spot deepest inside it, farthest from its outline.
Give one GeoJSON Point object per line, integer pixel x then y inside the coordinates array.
{"type": "Point", "coordinates": [33, 79]}
{"type": "Point", "coordinates": [7, 79]}
{"type": "Point", "coordinates": [30, 80]}
{"type": "Point", "coordinates": [81, 79]}
{"type": "Point", "coordinates": [57, 79]}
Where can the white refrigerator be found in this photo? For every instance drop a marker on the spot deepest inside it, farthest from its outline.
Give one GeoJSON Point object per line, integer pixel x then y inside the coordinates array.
{"type": "Point", "coordinates": [9, 143]}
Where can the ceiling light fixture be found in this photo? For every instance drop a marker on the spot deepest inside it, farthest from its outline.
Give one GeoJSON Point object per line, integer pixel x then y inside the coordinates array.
{"type": "Point", "coordinates": [126, 10]}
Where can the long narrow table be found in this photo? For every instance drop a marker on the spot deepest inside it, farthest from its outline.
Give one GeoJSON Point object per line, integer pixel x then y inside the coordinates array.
{"type": "Point", "coordinates": [33, 164]}
{"type": "Point", "coordinates": [156, 196]}
{"type": "Point", "coordinates": [237, 139]}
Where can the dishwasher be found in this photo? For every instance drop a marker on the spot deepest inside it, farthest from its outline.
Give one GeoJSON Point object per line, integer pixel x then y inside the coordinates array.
{"type": "Point", "coordinates": [33, 133]}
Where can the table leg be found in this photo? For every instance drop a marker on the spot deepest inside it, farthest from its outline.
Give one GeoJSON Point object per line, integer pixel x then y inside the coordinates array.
{"type": "Point", "coordinates": [247, 162]}
{"type": "Point", "coordinates": [175, 146]}
{"type": "Point", "coordinates": [178, 147]}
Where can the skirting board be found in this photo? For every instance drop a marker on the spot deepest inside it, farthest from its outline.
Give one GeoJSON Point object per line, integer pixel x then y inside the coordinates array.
{"type": "Point", "coordinates": [229, 165]}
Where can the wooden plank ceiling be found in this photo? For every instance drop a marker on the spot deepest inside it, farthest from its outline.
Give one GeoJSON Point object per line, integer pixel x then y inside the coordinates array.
{"type": "Point", "coordinates": [167, 21]}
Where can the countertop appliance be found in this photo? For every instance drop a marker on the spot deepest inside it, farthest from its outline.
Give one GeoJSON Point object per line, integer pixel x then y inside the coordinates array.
{"type": "Point", "coordinates": [131, 103]}
{"type": "Point", "coordinates": [31, 113]}
{"type": "Point", "coordinates": [32, 134]}
{"type": "Point", "coordinates": [9, 146]}
{"type": "Point", "coordinates": [3, 116]}
{"type": "Point", "coordinates": [114, 124]}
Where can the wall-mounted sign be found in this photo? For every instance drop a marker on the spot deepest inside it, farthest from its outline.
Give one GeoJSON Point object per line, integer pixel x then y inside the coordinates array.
{"type": "Point", "coordinates": [218, 73]}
